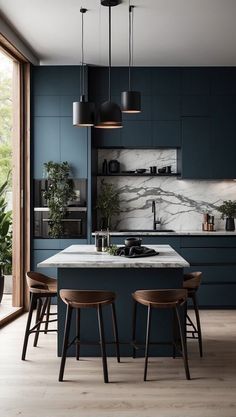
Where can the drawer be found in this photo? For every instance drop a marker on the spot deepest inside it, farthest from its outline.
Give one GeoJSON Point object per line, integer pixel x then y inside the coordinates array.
{"type": "Point", "coordinates": [57, 243]}
{"type": "Point", "coordinates": [208, 242]}
{"type": "Point", "coordinates": [215, 273]}
{"type": "Point", "coordinates": [202, 256]}
{"type": "Point", "coordinates": [217, 296]}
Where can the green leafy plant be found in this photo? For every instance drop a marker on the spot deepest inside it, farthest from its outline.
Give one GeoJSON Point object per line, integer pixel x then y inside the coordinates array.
{"type": "Point", "coordinates": [112, 249]}
{"type": "Point", "coordinates": [58, 194]}
{"type": "Point", "coordinates": [5, 232]}
{"type": "Point", "coordinates": [227, 209]}
{"type": "Point", "coordinates": [108, 204]}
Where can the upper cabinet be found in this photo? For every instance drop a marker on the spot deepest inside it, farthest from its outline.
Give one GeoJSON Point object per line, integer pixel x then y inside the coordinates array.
{"type": "Point", "coordinates": [208, 148]}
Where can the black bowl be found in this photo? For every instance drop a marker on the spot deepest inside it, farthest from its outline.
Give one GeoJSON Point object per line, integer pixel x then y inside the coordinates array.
{"type": "Point", "coordinates": [140, 170]}
{"type": "Point", "coordinates": [133, 241]}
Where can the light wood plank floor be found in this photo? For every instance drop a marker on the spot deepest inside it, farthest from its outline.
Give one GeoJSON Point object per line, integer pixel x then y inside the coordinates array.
{"type": "Point", "coordinates": [30, 389]}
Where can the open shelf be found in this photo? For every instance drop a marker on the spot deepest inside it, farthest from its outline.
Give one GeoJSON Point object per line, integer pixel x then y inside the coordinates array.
{"type": "Point", "coordinates": [120, 174]}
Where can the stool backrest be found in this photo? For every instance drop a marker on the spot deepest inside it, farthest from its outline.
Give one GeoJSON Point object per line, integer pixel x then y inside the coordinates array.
{"type": "Point", "coordinates": [192, 280]}
{"type": "Point", "coordinates": [37, 280]}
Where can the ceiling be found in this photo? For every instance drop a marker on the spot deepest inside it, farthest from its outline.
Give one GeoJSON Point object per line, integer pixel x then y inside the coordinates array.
{"type": "Point", "coordinates": [166, 32]}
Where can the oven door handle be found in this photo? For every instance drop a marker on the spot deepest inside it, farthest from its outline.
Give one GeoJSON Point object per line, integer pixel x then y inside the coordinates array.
{"type": "Point", "coordinates": [65, 220]}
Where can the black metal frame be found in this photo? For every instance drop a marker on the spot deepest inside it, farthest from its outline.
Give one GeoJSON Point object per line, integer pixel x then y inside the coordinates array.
{"type": "Point", "coordinates": [78, 342]}
{"type": "Point", "coordinates": [43, 309]}
{"type": "Point", "coordinates": [196, 332]}
{"type": "Point", "coordinates": [177, 324]}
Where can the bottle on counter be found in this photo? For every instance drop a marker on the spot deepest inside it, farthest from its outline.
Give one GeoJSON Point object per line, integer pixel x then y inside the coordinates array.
{"type": "Point", "coordinates": [104, 167]}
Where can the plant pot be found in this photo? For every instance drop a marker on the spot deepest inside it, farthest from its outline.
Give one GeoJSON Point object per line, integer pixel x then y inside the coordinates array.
{"type": "Point", "coordinates": [230, 225]}
{"type": "Point", "coordinates": [1, 286]}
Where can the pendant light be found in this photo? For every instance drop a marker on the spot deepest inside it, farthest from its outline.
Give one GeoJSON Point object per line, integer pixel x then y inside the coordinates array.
{"type": "Point", "coordinates": [130, 100]}
{"type": "Point", "coordinates": [109, 115]}
{"type": "Point", "coordinates": [83, 111]}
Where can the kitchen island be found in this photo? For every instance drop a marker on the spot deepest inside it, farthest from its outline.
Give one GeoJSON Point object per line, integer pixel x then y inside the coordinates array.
{"type": "Point", "coordinates": [81, 267]}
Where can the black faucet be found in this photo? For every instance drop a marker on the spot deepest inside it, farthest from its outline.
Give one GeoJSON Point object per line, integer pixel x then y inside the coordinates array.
{"type": "Point", "coordinates": [155, 221]}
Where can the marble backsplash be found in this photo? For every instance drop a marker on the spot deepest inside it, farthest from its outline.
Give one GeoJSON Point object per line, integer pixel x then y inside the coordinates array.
{"type": "Point", "coordinates": [180, 204]}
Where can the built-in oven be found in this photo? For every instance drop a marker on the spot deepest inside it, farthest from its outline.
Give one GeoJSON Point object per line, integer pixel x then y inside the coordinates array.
{"type": "Point", "coordinates": [74, 224]}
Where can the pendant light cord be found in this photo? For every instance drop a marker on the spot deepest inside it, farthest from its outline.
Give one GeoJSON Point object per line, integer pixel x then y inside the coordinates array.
{"type": "Point", "coordinates": [109, 77]}
{"type": "Point", "coordinates": [82, 70]}
{"type": "Point", "coordinates": [131, 17]}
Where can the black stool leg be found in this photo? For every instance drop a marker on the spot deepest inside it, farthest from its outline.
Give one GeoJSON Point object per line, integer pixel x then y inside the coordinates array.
{"type": "Point", "coordinates": [183, 344]}
{"type": "Point", "coordinates": [134, 327]}
{"type": "Point", "coordinates": [47, 315]}
{"type": "Point", "coordinates": [37, 320]}
{"type": "Point", "coordinates": [115, 331]}
{"type": "Point", "coordinates": [31, 309]}
{"type": "Point", "coordinates": [174, 333]}
{"type": "Point", "coordinates": [78, 333]}
{"type": "Point", "coordinates": [102, 343]}
{"type": "Point", "coordinates": [149, 316]}
{"type": "Point", "coordinates": [41, 316]}
{"type": "Point", "coordinates": [195, 304]}
{"type": "Point", "coordinates": [65, 341]}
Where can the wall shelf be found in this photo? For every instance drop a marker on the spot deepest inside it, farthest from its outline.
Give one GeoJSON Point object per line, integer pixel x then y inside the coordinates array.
{"type": "Point", "coordinates": [120, 174]}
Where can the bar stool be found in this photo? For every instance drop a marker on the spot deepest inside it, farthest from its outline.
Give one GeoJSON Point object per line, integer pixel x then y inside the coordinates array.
{"type": "Point", "coordinates": [78, 299]}
{"type": "Point", "coordinates": [170, 299]}
{"type": "Point", "coordinates": [191, 283]}
{"type": "Point", "coordinates": [42, 288]}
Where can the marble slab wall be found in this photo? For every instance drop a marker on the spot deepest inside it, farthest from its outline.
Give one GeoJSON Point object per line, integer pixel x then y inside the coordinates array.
{"type": "Point", "coordinates": [180, 204]}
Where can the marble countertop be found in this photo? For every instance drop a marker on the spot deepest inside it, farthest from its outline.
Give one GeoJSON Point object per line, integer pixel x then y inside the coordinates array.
{"type": "Point", "coordinates": [175, 233]}
{"type": "Point", "coordinates": [85, 256]}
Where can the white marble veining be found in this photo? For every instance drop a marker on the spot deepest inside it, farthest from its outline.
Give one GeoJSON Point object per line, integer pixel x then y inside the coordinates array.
{"type": "Point", "coordinates": [180, 203]}
{"type": "Point", "coordinates": [85, 256]}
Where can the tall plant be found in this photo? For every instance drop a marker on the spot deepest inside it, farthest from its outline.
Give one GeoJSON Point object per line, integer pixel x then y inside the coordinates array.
{"type": "Point", "coordinates": [58, 194]}
{"type": "Point", "coordinates": [5, 231]}
{"type": "Point", "coordinates": [108, 204]}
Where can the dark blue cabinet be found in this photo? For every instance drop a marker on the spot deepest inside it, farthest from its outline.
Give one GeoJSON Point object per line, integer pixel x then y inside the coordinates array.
{"type": "Point", "coordinates": [197, 148]}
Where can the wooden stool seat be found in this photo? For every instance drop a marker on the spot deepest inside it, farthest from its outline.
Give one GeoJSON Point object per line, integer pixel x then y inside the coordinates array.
{"type": "Point", "coordinates": [83, 299]}
{"type": "Point", "coordinates": [163, 298]}
{"type": "Point", "coordinates": [87, 298]}
{"type": "Point", "coordinates": [42, 288]}
{"type": "Point", "coordinates": [192, 282]}
{"type": "Point", "coordinates": [160, 298]}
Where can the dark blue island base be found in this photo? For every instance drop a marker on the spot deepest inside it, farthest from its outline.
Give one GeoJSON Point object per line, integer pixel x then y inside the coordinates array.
{"type": "Point", "coordinates": [123, 281]}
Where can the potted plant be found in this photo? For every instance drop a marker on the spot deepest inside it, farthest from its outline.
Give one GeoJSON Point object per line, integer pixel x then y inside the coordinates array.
{"type": "Point", "coordinates": [108, 204]}
{"type": "Point", "coordinates": [228, 212]}
{"type": "Point", "coordinates": [5, 237]}
{"type": "Point", "coordinates": [58, 194]}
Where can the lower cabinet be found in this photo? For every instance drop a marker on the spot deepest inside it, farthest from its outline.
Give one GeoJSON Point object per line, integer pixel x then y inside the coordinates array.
{"type": "Point", "coordinates": [214, 256]}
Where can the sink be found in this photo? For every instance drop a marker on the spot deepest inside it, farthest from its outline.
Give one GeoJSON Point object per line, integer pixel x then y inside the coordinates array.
{"type": "Point", "coordinates": [147, 230]}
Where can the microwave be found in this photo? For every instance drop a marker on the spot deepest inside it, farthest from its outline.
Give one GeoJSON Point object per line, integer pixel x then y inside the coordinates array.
{"type": "Point", "coordinates": [74, 224]}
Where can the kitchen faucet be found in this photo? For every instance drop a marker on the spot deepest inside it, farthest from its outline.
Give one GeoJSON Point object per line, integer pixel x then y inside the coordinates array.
{"type": "Point", "coordinates": [155, 221]}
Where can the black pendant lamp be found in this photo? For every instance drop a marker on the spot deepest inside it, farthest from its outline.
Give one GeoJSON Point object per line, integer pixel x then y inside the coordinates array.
{"type": "Point", "coordinates": [130, 100]}
{"type": "Point", "coordinates": [83, 111]}
{"type": "Point", "coordinates": [109, 114]}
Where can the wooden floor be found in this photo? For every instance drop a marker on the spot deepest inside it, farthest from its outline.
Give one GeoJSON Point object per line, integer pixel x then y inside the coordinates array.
{"type": "Point", "coordinates": [30, 389]}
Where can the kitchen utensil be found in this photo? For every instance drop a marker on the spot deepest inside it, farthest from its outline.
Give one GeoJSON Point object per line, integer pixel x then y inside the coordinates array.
{"type": "Point", "coordinates": [153, 170]}
{"type": "Point", "coordinates": [162, 170]}
{"type": "Point", "coordinates": [114, 166]}
{"type": "Point", "coordinates": [168, 169]}
{"type": "Point", "coordinates": [133, 241]}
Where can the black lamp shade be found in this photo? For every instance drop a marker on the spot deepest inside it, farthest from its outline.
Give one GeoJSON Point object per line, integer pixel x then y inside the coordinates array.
{"type": "Point", "coordinates": [109, 116]}
{"type": "Point", "coordinates": [83, 113]}
{"type": "Point", "coordinates": [130, 102]}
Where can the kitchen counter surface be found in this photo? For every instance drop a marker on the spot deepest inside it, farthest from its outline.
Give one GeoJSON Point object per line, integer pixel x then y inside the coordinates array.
{"type": "Point", "coordinates": [174, 233]}
{"type": "Point", "coordinates": [85, 256]}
